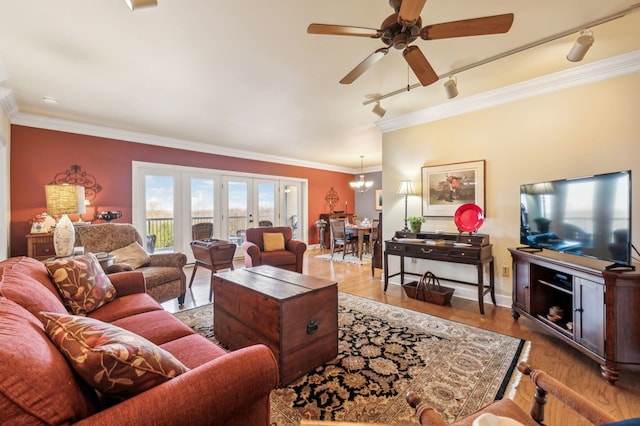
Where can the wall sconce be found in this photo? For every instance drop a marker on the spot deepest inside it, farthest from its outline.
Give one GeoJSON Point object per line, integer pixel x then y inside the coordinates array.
{"type": "Point", "coordinates": [139, 4]}
{"type": "Point", "coordinates": [378, 110]}
{"type": "Point", "coordinates": [451, 88]}
{"type": "Point", "coordinates": [581, 46]}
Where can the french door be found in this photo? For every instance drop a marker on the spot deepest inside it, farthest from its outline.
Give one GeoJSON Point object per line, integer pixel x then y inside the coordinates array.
{"type": "Point", "coordinates": [250, 202]}
{"type": "Point", "coordinates": [168, 200]}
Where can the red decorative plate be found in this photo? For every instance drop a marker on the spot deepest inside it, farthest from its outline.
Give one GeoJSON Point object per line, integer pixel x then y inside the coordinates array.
{"type": "Point", "coordinates": [469, 218]}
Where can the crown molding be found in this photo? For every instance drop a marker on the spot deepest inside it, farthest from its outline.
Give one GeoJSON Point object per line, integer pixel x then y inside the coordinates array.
{"type": "Point", "coordinates": [578, 76]}
{"type": "Point", "coordinates": [49, 123]}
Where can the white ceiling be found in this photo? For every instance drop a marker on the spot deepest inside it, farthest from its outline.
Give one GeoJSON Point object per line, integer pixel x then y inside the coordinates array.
{"type": "Point", "coordinates": [245, 74]}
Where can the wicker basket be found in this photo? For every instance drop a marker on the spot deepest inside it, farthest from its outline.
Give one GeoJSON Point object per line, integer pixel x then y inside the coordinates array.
{"type": "Point", "coordinates": [429, 290]}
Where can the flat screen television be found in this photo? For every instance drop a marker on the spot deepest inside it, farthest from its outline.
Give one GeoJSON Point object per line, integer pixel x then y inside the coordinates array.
{"type": "Point", "coordinates": [586, 216]}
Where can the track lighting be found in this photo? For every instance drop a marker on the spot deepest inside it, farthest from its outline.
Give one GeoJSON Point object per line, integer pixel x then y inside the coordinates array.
{"type": "Point", "coordinates": [378, 110]}
{"type": "Point", "coordinates": [451, 88]}
{"type": "Point", "coordinates": [139, 4]}
{"type": "Point", "coordinates": [581, 46]}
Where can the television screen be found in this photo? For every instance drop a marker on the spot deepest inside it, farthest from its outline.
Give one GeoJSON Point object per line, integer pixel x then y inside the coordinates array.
{"type": "Point", "coordinates": [587, 216]}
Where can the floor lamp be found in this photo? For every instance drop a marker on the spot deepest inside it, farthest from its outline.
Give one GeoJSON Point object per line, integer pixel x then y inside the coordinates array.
{"type": "Point", "coordinates": [406, 189]}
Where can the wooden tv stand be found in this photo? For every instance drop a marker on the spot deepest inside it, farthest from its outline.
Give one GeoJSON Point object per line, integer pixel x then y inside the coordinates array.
{"type": "Point", "coordinates": [603, 306]}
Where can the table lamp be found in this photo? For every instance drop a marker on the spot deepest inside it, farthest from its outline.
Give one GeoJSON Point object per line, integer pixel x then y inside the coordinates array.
{"type": "Point", "coordinates": [64, 200]}
{"type": "Point", "coordinates": [406, 189]}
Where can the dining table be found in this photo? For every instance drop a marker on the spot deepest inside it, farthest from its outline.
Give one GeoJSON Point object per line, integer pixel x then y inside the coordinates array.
{"type": "Point", "coordinates": [361, 230]}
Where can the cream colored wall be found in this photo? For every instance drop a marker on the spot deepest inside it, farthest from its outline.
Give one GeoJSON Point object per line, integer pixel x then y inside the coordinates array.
{"type": "Point", "coordinates": [581, 131]}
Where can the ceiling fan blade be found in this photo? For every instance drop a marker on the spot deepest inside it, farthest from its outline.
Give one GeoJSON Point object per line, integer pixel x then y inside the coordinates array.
{"type": "Point", "coordinates": [410, 11]}
{"type": "Point", "coordinates": [419, 65]}
{"type": "Point", "coordinates": [343, 30]}
{"type": "Point", "coordinates": [496, 24]}
{"type": "Point", "coordinates": [364, 65]}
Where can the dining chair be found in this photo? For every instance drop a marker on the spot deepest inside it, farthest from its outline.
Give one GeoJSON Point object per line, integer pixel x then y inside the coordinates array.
{"type": "Point", "coordinates": [339, 237]}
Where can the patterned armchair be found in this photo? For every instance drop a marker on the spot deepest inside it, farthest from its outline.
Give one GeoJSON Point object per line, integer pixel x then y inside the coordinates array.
{"type": "Point", "coordinates": [163, 272]}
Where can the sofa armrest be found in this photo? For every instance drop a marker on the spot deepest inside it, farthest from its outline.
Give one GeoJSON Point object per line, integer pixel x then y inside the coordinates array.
{"type": "Point", "coordinates": [251, 254]}
{"type": "Point", "coordinates": [128, 283]}
{"type": "Point", "coordinates": [236, 385]}
{"type": "Point", "coordinates": [296, 246]}
{"type": "Point", "coordinates": [176, 260]}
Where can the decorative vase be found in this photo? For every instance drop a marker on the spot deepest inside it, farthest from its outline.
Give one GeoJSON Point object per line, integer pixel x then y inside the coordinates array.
{"type": "Point", "coordinates": [415, 226]}
{"type": "Point", "coordinates": [64, 237]}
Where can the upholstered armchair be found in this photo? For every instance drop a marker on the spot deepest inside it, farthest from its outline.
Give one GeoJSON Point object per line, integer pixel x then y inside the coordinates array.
{"type": "Point", "coordinates": [163, 272]}
{"type": "Point", "coordinates": [273, 246]}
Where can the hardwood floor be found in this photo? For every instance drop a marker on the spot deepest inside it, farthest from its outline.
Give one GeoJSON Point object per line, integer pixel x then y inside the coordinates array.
{"type": "Point", "coordinates": [546, 352]}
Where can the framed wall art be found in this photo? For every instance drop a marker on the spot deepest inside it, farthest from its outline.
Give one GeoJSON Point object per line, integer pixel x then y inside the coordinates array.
{"type": "Point", "coordinates": [448, 186]}
{"type": "Point", "coordinates": [378, 199]}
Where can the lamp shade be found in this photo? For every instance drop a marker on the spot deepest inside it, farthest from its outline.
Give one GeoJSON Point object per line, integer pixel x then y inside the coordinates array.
{"type": "Point", "coordinates": [406, 188]}
{"type": "Point", "coordinates": [64, 199]}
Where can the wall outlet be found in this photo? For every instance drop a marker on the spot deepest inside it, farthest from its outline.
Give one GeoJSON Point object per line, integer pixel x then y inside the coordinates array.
{"type": "Point", "coordinates": [505, 271]}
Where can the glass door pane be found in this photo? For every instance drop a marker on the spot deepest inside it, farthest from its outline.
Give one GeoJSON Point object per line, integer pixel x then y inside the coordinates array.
{"type": "Point", "coordinates": [291, 207]}
{"type": "Point", "coordinates": [159, 212]}
{"type": "Point", "coordinates": [202, 201]}
{"type": "Point", "coordinates": [266, 196]}
{"type": "Point", "coordinates": [238, 215]}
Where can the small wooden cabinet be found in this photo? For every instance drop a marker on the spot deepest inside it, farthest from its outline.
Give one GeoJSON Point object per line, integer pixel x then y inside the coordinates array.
{"type": "Point", "coordinates": [600, 308]}
{"type": "Point", "coordinates": [40, 246]}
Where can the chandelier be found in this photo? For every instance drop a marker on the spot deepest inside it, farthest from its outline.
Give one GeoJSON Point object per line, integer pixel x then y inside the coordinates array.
{"type": "Point", "coordinates": [361, 185]}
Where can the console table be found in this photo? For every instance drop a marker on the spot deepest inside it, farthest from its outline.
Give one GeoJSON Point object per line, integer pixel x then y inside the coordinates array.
{"type": "Point", "coordinates": [444, 247]}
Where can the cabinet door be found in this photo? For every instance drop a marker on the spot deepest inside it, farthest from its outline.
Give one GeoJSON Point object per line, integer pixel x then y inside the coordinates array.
{"type": "Point", "coordinates": [589, 314]}
{"type": "Point", "coordinates": [521, 285]}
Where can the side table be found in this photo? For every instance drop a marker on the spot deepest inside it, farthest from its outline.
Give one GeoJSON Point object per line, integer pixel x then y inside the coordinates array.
{"type": "Point", "coordinates": [214, 255]}
{"type": "Point", "coordinates": [40, 246]}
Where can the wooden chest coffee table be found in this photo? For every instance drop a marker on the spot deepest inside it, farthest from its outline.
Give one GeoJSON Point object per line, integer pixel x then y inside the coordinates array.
{"type": "Point", "coordinates": [295, 315]}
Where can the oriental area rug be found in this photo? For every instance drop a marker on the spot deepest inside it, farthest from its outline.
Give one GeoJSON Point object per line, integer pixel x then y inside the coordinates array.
{"type": "Point", "coordinates": [385, 351]}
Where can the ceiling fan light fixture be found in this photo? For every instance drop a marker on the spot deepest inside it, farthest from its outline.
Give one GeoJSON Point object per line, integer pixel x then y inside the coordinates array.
{"type": "Point", "coordinates": [139, 4]}
{"type": "Point", "coordinates": [581, 46]}
{"type": "Point", "coordinates": [451, 88]}
{"type": "Point", "coordinates": [378, 110]}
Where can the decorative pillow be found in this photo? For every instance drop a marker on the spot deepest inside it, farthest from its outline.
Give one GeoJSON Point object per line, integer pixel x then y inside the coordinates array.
{"type": "Point", "coordinates": [81, 282]}
{"type": "Point", "coordinates": [273, 241]}
{"type": "Point", "coordinates": [133, 255]}
{"type": "Point", "coordinates": [113, 360]}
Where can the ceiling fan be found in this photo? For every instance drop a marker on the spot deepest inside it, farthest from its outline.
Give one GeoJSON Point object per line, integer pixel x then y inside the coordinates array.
{"type": "Point", "coordinates": [405, 26]}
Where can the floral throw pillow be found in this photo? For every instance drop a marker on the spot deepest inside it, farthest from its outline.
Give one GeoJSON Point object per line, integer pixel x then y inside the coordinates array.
{"type": "Point", "coordinates": [81, 282]}
{"type": "Point", "coordinates": [114, 361]}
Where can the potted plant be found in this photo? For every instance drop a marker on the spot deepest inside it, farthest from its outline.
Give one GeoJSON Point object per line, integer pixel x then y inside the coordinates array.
{"type": "Point", "coordinates": [415, 223]}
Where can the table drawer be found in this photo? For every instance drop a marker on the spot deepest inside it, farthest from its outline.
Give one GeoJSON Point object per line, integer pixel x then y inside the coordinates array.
{"type": "Point", "coordinates": [396, 247]}
{"type": "Point", "coordinates": [44, 250]}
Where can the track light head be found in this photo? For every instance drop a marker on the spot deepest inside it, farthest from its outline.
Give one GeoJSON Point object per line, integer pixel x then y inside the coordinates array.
{"type": "Point", "coordinates": [451, 88]}
{"type": "Point", "coordinates": [378, 110]}
{"type": "Point", "coordinates": [581, 46]}
{"type": "Point", "coordinates": [139, 4]}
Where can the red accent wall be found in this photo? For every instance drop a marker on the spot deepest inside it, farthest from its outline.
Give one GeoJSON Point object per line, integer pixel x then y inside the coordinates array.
{"type": "Point", "coordinates": [37, 155]}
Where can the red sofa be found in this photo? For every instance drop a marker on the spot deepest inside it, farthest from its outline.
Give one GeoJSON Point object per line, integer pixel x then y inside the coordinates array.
{"type": "Point", "coordinates": [38, 385]}
{"type": "Point", "coordinates": [290, 258]}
